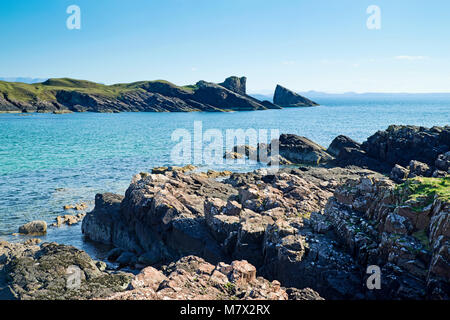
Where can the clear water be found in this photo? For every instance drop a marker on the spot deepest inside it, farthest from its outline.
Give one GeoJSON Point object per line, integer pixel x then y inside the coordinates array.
{"type": "Point", "coordinates": [48, 161]}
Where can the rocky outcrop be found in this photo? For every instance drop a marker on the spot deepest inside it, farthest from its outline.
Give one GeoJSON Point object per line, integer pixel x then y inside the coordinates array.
{"type": "Point", "coordinates": [299, 149]}
{"type": "Point", "coordinates": [235, 84]}
{"type": "Point", "coordinates": [339, 143]}
{"type": "Point", "coordinates": [401, 144]}
{"type": "Point", "coordinates": [288, 149]}
{"type": "Point", "coordinates": [54, 272]}
{"type": "Point", "coordinates": [287, 98]}
{"type": "Point", "coordinates": [192, 278]}
{"type": "Point", "coordinates": [422, 151]}
{"type": "Point", "coordinates": [392, 227]}
{"type": "Point", "coordinates": [273, 221]}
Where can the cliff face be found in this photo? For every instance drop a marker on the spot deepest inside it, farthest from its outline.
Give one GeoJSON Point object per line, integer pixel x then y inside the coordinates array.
{"type": "Point", "coordinates": [287, 98]}
{"type": "Point", "coordinates": [64, 95]}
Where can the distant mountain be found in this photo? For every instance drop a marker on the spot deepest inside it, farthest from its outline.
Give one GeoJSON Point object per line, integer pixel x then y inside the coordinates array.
{"type": "Point", "coordinates": [23, 79]}
{"type": "Point", "coordinates": [317, 95]}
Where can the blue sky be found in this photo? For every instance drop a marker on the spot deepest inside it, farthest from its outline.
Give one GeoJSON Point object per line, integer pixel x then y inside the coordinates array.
{"type": "Point", "coordinates": [304, 45]}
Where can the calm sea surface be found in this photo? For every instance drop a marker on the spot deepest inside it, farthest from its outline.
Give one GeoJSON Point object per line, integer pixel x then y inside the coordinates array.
{"type": "Point", "coordinates": [48, 161]}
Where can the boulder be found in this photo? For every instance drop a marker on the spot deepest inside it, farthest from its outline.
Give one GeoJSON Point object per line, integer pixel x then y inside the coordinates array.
{"type": "Point", "coordinates": [287, 98]}
{"type": "Point", "coordinates": [37, 227]}
{"type": "Point", "coordinates": [417, 168]}
{"type": "Point", "coordinates": [443, 162]}
{"type": "Point", "coordinates": [341, 142]}
{"type": "Point", "coordinates": [299, 149]}
{"type": "Point", "coordinates": [399, 174]}
{"type": "Point", "coordinates": [98, 225]}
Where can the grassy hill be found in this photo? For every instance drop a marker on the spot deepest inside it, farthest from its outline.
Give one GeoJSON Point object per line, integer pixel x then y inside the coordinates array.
{"type": "Point", "coordinates": [47, 90]}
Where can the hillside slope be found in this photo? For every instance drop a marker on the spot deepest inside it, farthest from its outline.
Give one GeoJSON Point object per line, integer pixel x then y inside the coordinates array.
{"type": "Point", "coordinates": [70, 95]}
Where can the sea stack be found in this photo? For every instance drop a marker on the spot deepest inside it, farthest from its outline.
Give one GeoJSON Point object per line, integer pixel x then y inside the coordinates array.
{"type": "Point", "coordinates": [235, 84]}
{"type": "Point", "coordinates": [287, 98]}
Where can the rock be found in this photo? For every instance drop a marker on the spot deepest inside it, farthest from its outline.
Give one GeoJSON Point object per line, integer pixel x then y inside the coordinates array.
{"type": "Point", "coordinates": [391, 226]}
{"type": "Point", "coordinates": [308, 227]}
{"type": "Point", "coordinates": [216, 174]}
{"type": "Point", "coordinates": [78, 207]}
{"type": "Point", "coordinates": [443, 162]}
{"type": "Point", "coordinates": [98, 224]}
{"type": "Point", "coordinates": [401, 144]}
{"type": "Point", "coordinates": [302, 150]}
{"type": "Point", "coordinates": [192, 278]}
{"type": "Point", "coordinates": [341, 142]}
{"type": "Point", "coordinates": [399, 174]}
{"type": "Point", "coordinates": [113, 254]}
{"type": "Point", "coordinates": [126, 258]}
{"type": "Point", "coordinates": [235, 84]}
{"type": "Point", "coordinates": [34, 228]}
{"type": "Point", "coordinates": [287, 98]}
{"type": "Point", "coordinates": [357, 157]}
{"type": "Point", "coordinates": [417, 168]}
{"type": "Point", "coordinates": [32, 242]}
{"type": "Point", "coordinates": [242, 272]}
{"type": "Point", "coordinates": [159, 170]}
{"type": "Point", "coordinates": [33, 273]}
{"type": "Point", "coordinates": [397, 224]}
{"type": "Point", "coordinates": [249, 151]}
{"type": "Point", "coordinates": [278, 160]}
{"type": "Point", "coordinates": [303, 294]}
{"type": "Point", "coordinates": [68, 219]}
{"type": "Point", "coordinates": [439, 174]}
{"type": "Point", "coordinates": [232, 155]}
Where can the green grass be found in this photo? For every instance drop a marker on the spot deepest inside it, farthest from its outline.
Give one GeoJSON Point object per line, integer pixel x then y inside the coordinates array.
{"type": "Point", "coordinates": [47, 90]}
{"type": "Point", "coordinates": [424, 190]}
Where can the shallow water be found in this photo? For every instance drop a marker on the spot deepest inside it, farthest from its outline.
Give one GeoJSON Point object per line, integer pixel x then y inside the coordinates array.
{"type": "Point", "coordinates": [48, 161]}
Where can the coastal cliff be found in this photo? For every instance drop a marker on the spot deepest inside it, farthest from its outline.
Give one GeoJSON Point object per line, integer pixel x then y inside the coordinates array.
{"type": "Point", "coordinates": [68, 95]}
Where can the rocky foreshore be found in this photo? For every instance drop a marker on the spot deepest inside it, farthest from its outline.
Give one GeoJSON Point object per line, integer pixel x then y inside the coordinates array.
{"type": "Point", "coordinates": [300, 232]}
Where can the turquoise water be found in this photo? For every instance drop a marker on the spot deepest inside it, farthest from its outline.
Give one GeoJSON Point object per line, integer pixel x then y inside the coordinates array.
{"type": "Point", "coordinates": [48, 161]}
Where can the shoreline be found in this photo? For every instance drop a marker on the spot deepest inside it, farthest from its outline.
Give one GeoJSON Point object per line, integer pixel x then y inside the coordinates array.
{"type": "Point", "coordinates": [292, 213]}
